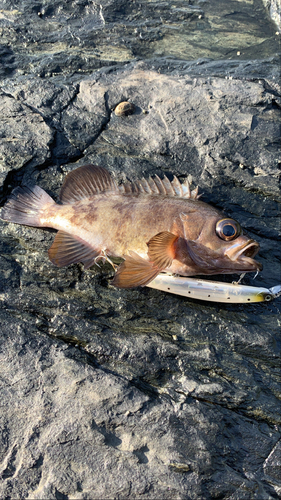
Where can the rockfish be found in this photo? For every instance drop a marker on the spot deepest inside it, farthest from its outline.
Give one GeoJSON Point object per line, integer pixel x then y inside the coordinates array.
{"type": "Point", "coordinates": [154, 225]}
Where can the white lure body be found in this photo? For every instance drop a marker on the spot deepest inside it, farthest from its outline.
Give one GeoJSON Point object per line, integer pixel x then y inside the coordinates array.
{"type": "Point", "coordinates": [213, 291]}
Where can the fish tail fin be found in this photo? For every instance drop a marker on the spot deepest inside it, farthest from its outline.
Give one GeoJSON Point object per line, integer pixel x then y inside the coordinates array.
{"type": "Point", "coordinates": [25, 205]}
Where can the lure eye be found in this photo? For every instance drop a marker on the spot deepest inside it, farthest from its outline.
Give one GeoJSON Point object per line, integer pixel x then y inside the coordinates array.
{"type": "Point", "coordinates": [228, 229]}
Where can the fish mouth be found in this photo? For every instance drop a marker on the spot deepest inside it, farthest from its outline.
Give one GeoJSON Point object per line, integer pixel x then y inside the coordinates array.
{"type": "Point", "coordinates": [245, 255]}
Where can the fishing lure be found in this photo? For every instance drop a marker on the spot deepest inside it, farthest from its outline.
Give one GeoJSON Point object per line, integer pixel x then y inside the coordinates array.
{"type": "Point", "coordinates": [214, 291]}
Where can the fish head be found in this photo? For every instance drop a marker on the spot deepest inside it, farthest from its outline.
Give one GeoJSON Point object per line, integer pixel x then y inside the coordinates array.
{"type": "Point", "coordinates": [220, 245]}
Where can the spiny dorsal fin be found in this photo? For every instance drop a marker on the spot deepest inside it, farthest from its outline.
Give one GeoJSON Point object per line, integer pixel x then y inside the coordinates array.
{"type": "Point", "coordinates": [156, 186]}
{"type": "Point", "coordinates": [153, 185]}
{"type": "Point", "coordinates": [177, 186]}
{"type": "Point", "coordinates": [140, 187]}
{"type": "Point", "coordinates": [128, 187]}
{"type": "Point", "coordinates": [66, 250]}
{"type": "Point", "coordinates": [186, 189]}
{"type": "Point", "coordinates": [168, 186]}
{"type": "Point", "coordinates": [194, 194]}
{"type": "Point", "coordinates": [88, 180]}
{"type": "Point", "coordinates": [160, 185]}
{"type": "Point", "coordinates": [84, 182]}
{"type": "Point", "coordinates": [144, 183]}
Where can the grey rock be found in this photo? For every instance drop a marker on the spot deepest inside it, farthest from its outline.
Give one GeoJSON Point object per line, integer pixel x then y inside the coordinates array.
{"type": "Point", "coordinates": [25, 137]}
{"type": "Point", "coordinates": [80, 431]}
{"type": "Point", "coordinates": [83, 120]}
{"type": "Point", "coordinates": [237, 126]}
{"type": "Point", "coordinates": [274, 8]}
{"type": "Point", "coordinates": [108, 393]}
{"type": "Point", "coordinates": [123, 394]}
{"type": "Point", "coordinates": [54, 39]}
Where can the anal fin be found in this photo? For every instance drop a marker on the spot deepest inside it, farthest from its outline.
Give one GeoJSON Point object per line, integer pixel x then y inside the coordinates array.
{"type": "Point", "coordinates": [66, 250]}
{"type": "Point", "coordinates": [134, 271]}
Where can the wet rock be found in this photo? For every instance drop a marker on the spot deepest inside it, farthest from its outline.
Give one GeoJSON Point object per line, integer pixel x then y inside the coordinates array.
{"type": "Point", "coordinates": [274, 9]}
{"type": "Point", "coordinates": [6, 61]}
{"type": "Point", "coordinates": [86, 116]}
{"type": "Point", "coordinates": [25, 137]}
{"type": "Point", "coordinates": [109, 393]}
{"type": "Point", "coordinates": [76, 429]}
{"type": "Point", "coordinates": [119, 387]}
{"type": "Point", "coordinates": [49, 39]}
{"type": "Point", "coordinates": [107, 362]}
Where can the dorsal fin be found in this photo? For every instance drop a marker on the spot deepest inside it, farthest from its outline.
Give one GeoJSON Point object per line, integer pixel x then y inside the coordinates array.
{"type": "Point", "coordinates": [160, 185]}
{"type": "Point", "coordinates": [153, 185]}
{"type": "Point", "coordinates": [168, 186]}
{"type": "Point", "coordinates": [88, 180]}
{"type": "Point", "coordinates": [163, 187]}
{"type": "Point", "coordinates": [84, 182]}
{"type": "Point", "coordinates": [128, 187]}
{"type": "Point", "coordinates": [140, 187]}
{"type": "Point", "coordinates": [145, 185]}
{"type": "Point", "coordinates": [177, 186]}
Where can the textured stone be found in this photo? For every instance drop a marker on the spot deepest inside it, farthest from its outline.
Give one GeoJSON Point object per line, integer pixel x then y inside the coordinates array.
{"type": "Point", "coordinates": [49, 38]}
{"type": "Point", "coordinates": [108, 393]}
{"type": "Point", "coordinates": [237, 125]}
{"type": "Point", "coordinates": [25, 137]}
{"type": "Point", "coordinates": [274, 8]}
{"type": "Point", "coordinates": [156, 392]}
{"type": "Point", "coordinates": [80, 431]}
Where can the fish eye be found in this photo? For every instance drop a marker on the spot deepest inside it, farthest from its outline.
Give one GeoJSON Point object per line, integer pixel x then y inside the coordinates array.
{"type": "Point", "coordinates": [228, 229]}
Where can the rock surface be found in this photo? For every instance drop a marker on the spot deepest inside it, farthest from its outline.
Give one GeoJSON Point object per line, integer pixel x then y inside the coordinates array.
{"type": "Point", "coordinates": [109, 393]}
{"type": "Point", "coordinates": [274, 8]}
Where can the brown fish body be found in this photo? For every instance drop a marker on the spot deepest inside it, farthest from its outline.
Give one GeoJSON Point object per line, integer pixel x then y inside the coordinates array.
{"type": "Point", "coordinates": [120, 223]}
{"type": "Point", "coordinates": [155, 226]}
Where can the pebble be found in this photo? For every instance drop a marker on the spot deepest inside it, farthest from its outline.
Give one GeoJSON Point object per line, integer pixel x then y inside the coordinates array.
{"type": "Point", "coordinates": [125, 108]}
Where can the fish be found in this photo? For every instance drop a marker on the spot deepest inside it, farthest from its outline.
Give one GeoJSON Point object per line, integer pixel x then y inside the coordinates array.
{"type": "Point", "coordinates": [155, 225]}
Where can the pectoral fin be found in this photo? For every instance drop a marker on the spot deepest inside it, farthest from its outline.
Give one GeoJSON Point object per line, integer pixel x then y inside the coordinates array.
{"type": "Point", "coordinates": [68, 250]}
{"type": "Point", "coordinates": [161, 249]}
{"type": "Point", "coordinates": [135, 271]}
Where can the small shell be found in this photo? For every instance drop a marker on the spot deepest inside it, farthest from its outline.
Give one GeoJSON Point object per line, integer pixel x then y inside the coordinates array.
{"type": "Point", "coordinates": [125, 108]}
